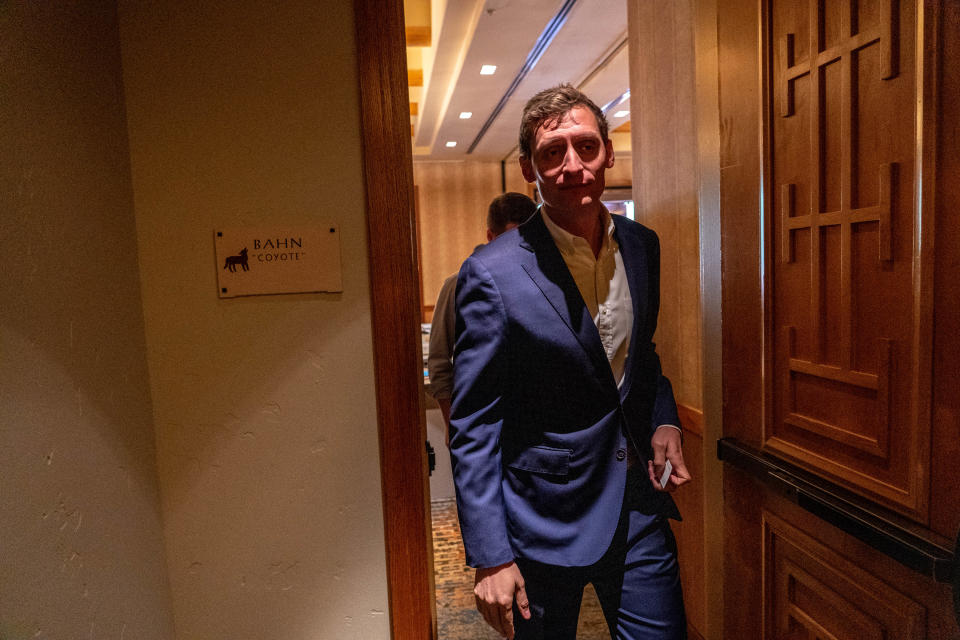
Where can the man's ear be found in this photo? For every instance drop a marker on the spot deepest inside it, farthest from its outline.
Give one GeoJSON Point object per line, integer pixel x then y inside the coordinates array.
{"type": "Point", "coordinates": [490, 235]}
{"type": "Point", "coordinates": [526, 168]}
{"type": "Point", "coordinates": [609, 147]}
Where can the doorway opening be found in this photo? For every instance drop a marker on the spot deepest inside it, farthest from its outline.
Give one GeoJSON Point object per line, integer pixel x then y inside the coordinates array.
{"type": "Point", "coordinates": [470, 71]}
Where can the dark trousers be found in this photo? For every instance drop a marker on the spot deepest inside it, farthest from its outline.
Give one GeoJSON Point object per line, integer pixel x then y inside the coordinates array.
{"type": "Point", "coordinates": [637, 582]}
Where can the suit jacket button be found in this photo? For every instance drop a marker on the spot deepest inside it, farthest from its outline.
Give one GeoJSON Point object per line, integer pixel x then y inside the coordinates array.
{"type": "Point", "coordinates": [621, 454]}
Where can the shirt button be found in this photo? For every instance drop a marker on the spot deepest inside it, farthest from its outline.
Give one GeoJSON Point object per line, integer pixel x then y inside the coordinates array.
{"type": "Point", "coordinates": [621, 454]}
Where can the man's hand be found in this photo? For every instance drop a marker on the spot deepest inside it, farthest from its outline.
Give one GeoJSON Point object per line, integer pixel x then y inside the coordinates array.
{"type": "Point", "coordinates": [495, 589]}
{"type": "Point", "coordinates": [667, 446]}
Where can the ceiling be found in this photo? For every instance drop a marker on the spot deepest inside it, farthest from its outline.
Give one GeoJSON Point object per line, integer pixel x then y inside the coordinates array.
{"type": "Point", "coordinates": [534, 44]}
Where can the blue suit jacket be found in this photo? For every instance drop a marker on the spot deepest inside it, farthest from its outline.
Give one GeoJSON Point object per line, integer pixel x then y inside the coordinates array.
{"type": "Point", "coordinates": [539, 429]}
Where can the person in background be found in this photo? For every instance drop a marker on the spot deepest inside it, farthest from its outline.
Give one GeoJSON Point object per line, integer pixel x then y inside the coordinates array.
{"type": "Point", "coordinates": [564, 434]}
{"type": "Point", "coordinates": [504, 213]}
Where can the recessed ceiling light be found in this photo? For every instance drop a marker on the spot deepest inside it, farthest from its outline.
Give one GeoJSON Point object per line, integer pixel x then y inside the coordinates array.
{"type": "Point", "coordinates": [488, 69]}
{"type": "Point", "coordinates": [464, 115]}
{"type": "Point", "coordinates": [451, 144]}
{"type": "Point", "coordinates": [620, 114]}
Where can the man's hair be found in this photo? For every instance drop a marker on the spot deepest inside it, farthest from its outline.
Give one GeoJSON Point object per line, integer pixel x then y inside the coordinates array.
{"type": "Point", "coordinates": [550, 105]}
{"type": "Point", "coordinates": [511, 207]}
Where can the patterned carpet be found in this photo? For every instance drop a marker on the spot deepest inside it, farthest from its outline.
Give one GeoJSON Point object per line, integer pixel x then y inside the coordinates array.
{"type": "Point", "coordinates": [457, 616]}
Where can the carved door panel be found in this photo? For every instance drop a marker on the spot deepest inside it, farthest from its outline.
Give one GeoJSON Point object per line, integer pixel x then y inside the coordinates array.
{"type": "Point", "coordinates": [851, 326]}
{"type": "Point", "coordinates": [839, 336]}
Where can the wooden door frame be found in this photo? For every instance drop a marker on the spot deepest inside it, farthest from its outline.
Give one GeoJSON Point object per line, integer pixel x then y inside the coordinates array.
{"type": "Point", "coordinates": [395, 314]}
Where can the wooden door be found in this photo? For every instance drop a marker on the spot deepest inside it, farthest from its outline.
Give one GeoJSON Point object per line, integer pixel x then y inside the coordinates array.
{"type": "Point", "coordinates": [840, 219]}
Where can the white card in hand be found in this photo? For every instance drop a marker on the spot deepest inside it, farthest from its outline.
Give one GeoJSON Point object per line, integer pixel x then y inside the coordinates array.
{"type": "Point", "coordinates": [667, 469]}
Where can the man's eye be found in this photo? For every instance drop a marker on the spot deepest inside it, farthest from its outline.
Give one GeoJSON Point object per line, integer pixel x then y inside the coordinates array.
{"type": "Point", "coordinates": [550, 155]}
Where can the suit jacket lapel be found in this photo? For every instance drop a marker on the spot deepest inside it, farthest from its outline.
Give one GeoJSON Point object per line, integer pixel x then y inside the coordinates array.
{"type": "Point", "coordinates": [549, 272]}
{"type": "Point", "coordinates": [635, 264]}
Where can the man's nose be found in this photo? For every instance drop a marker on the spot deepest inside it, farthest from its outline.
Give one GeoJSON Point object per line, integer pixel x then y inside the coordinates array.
{"type": "Point", "coordinates": [571, 161]}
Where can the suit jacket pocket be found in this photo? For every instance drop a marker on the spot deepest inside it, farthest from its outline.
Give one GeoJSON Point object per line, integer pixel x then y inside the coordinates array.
{"type": "Point", "coordinates": [544, 460]}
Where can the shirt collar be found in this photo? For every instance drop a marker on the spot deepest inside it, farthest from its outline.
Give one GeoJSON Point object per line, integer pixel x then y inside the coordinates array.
{"type": "Point", "coordinates": [567, 242]}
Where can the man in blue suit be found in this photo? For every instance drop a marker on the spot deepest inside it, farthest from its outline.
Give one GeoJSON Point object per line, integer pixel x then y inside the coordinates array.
{"type": "Point", "coordinates": [562, 422]}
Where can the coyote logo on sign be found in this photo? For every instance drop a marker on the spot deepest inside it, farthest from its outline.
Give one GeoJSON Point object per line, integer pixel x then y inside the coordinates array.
{"type": "Point", "coordinates": [233, 261]}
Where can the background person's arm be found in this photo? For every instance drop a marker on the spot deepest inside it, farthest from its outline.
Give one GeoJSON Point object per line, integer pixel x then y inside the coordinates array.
{"type": "Point", "coordinates": [440, 351]}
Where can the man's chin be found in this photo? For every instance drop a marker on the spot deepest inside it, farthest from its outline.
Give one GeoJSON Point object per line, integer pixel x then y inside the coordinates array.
{"type": "Point", "coordinates": [575, 202]}
{"type": "Point", "coordinates": [587, 202]}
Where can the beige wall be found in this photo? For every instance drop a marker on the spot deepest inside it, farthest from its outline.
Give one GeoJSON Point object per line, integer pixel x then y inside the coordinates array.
{"type": "Point", "coordinates": [247, 114]}
{"type": "Point", "coordinates": [81, 549]}
{"type": "Point", "coordinates": [452, 205]}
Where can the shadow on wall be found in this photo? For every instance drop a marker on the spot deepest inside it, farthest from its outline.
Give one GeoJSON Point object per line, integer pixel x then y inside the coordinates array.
{"type": "Point", "coordinates": [74, 349]}
{"type": "Point", "coordinates": [81, 526]}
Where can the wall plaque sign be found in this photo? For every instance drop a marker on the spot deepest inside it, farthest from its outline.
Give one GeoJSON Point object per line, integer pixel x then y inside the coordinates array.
{"type": "Point", "coordinates": [253, 261]}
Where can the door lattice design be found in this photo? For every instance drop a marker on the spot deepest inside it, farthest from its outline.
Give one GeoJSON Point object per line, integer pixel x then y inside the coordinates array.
{"type": "Point", "coordinates": [846, 217]}
{"type": "Point", "coordinates": [840, 170]}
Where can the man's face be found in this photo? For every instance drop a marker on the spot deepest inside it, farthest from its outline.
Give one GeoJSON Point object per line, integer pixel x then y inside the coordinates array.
{"type": "Point", "coordinates": [568, 161]}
